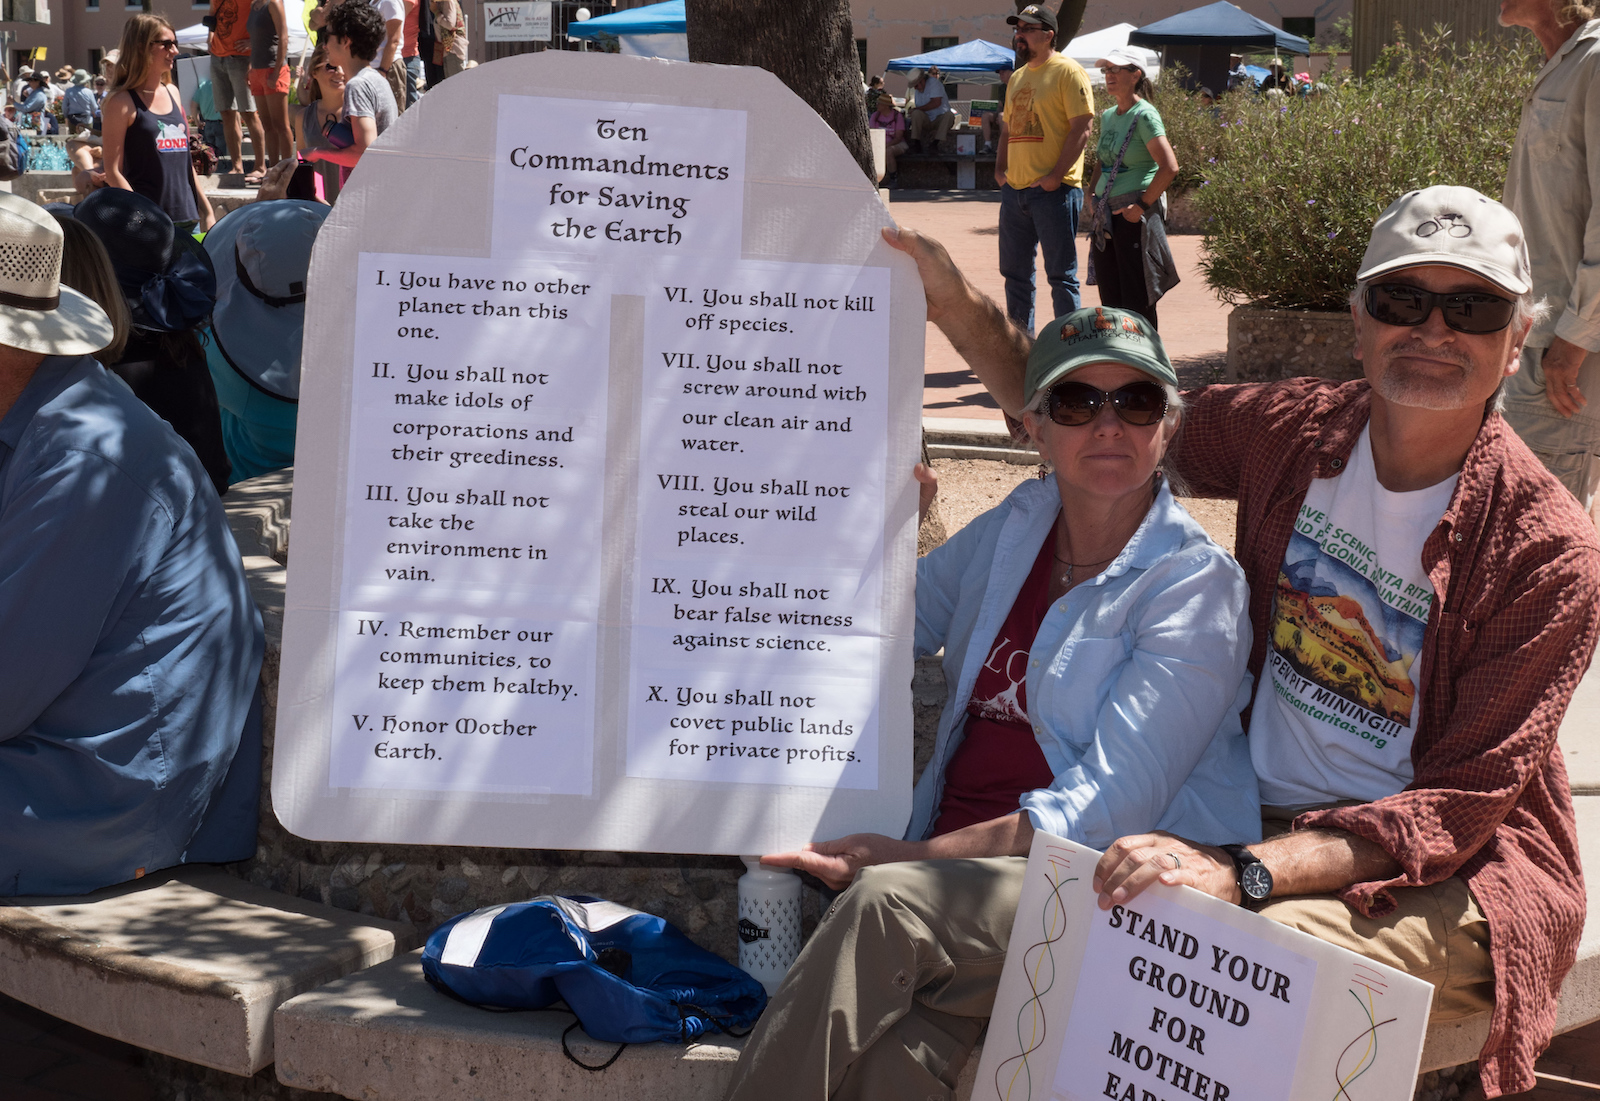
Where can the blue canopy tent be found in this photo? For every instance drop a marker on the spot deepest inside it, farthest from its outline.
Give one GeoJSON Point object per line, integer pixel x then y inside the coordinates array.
{"type": "Point", "coordinates": [1202, 39]}
{"type": "Point", "coordinates": [977, 62]}
{"type": "Point", "coordinates": [655, 30]}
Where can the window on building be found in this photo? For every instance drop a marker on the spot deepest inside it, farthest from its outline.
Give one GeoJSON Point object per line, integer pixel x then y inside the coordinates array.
{"type": "Point", "coordinates": [138, 5]}
{"type": "Point", "coordinates": [939, 42]}
{"type": "Point", "coordinates": [861, 53]}
{"type": "Point", "coordinates": [1303, 25]}
{"type": "Point", "coordinates": [91, 5]}
{"type": "Point", "coordinates": [95, 57]}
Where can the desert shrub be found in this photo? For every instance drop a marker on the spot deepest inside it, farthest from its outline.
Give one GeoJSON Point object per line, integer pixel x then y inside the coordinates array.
{"type": "Point", "coordinates": [1292, 187]}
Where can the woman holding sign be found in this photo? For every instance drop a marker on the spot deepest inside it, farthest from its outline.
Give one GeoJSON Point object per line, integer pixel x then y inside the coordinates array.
{"type": "Point", "coordinates": [1097, 643]}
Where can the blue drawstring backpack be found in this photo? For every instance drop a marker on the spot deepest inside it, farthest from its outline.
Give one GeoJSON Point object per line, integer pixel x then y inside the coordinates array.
{"type": "Point", "coordinates": [630, 977]}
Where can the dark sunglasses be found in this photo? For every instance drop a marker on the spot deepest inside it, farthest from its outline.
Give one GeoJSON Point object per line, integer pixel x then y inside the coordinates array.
{"type": "Point", "coordinates": [1464, 311]}
{"type": "Point", "coordinates": [1072, 404]}
{"type": "Point", "coordinates": [1119, 68]}
{"type": "Point", "coordinates": [165, 44]}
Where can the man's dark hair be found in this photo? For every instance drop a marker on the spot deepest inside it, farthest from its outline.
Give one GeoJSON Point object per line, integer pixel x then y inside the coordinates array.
{"type": "Point", "coordinates": [359, 24]}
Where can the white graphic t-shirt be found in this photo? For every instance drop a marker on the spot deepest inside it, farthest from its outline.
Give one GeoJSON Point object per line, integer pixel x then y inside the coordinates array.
{"type": "Point", "coordinates": [1338, 703]}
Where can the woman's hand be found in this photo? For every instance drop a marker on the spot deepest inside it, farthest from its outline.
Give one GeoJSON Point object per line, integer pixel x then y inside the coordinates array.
{"type": "Point", "coordinates": [837, 862]}
{"type": "Point", "coordinates": [927, 489]}
{"type": "Point", "coordinates": [1133, 212]}
{"type": "Point", "coordinates": [1133, 863]}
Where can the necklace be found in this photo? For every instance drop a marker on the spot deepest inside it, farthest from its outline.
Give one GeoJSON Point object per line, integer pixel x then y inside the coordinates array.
{"type": "Point", "coordinates": [1066, 574]}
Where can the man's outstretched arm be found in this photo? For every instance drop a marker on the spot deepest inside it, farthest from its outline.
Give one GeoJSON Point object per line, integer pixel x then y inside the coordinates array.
{"type": "Point", "coordinates": [1306, 862]}
{"type": "Point", "coordinates": [995, 349]}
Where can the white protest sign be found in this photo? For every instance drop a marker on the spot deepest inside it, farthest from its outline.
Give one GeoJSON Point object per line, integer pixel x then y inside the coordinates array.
{"type": "Point", "coordinates": [603, 504]}
{"type": "Point", "coordinates": [1180, 995]}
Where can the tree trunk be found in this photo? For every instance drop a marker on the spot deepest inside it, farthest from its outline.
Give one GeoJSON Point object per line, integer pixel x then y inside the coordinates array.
{"type": "Point", "coordinates": [1069, 19]}
{"type": "Point", "coordinates": [807, 44]}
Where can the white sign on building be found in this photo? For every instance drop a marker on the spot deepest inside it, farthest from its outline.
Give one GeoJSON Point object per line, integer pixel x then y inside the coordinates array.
{"type": "Point", "coordinates": [522, 22]}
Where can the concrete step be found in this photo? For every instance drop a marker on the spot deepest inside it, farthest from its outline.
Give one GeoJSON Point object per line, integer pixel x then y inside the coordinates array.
{"type": "Point", "coordinates": [258, 513]}
{"type": "Point", "coordinates": [1580, 735]}
{"type": "Point", "coordinates": [190, 963]}
{"type": "Point", "coordinates": [385, 1033]}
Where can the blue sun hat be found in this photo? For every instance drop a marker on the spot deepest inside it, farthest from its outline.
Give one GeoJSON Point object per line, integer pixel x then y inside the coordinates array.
{"type": "Point", "coordinates": [262, 254]}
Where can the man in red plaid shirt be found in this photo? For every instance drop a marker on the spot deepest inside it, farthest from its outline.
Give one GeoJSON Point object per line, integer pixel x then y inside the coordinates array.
{"type": "Point", "coordinates": [1424, 596]}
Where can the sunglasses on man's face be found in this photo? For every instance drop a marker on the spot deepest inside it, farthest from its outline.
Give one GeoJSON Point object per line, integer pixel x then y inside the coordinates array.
{"type": "Point", "coordinates": [1072, 403]}
{"type": "Point", "coordinates": [1475, 312]}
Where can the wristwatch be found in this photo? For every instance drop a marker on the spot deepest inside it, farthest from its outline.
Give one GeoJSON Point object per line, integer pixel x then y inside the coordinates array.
{"type": "Point", "coordinates": [1255, 881]}
{"type": "Point", "coordinates": [1144, 206]}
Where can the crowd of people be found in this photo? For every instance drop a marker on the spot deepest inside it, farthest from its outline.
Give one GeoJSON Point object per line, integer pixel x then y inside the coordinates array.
{"type": "Point", "coordinates": [1115, 676]}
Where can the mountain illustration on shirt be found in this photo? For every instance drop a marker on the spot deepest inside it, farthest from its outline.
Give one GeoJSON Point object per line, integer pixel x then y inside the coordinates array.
{"type": "Point", "coordinates": [1330, 624]}
{"type": "Point", "coordinates": [172, 136]}
{"type": "Point", "coordinates": [1022, 121]}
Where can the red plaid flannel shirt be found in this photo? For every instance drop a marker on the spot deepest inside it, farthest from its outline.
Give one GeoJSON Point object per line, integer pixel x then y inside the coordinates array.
{"type": "Point", "coordinates": [1515, 566]}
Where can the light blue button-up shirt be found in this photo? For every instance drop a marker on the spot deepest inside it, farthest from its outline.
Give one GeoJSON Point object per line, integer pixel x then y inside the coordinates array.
{"type": "Point", "coordinates": [129, 645]}
{"type": "Point", "coordinates": [1135, 680]}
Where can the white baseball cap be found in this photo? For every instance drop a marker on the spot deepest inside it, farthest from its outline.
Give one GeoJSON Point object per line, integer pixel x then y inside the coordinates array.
{"type": "Point", "coordinates": [1123, 55]}
{"type": "Point", "coordinates": [1454, 226]}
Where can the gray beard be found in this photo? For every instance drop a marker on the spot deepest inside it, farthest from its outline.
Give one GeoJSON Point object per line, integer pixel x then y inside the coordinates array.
{"type": "Point", "coordinates": [1425, 393]}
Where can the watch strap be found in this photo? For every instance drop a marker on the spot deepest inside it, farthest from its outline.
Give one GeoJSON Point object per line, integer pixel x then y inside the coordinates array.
{"type": "Point", "coordinates": [1242, 859]}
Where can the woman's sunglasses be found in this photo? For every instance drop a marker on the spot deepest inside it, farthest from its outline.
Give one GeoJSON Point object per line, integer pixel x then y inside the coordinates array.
{"type": "Point", "coordinates": [164, 44]}
{"type": "Point", "coordinates": [1073, 403]}
{"type": "Point", "coordinates": [1465, 312]}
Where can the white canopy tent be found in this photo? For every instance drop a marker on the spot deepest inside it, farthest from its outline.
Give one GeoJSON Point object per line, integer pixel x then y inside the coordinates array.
{"type": "Point", "coordinates": [1086, 49]}
{"type": "Point", "coordinates": [195, 37]}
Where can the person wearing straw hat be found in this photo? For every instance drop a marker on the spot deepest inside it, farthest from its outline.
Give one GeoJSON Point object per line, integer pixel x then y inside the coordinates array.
{"type": "Point", "coordinates": [261, 253]}
{"type": "Point", "coordinates": [130, 648]}
{"type": "Point", "coordinates": [78, 103]}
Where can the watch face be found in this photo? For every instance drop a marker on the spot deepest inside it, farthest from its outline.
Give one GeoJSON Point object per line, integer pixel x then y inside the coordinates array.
{"type": "Point", "coordinates": [1256, 882]}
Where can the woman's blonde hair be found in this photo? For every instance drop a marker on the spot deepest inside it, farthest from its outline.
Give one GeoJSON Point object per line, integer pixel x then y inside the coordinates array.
{"type": "Point", "coordinates": [86, 268]}
{"type": "Point", "coordinates": [133, 57]}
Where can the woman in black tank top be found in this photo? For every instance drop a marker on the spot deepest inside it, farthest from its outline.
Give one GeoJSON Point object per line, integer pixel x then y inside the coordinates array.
{"type": "Point", "coordinates": [145, 133]}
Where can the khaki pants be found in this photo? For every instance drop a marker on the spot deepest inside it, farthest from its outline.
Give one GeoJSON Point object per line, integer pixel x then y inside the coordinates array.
{"type": "Point", "coordinates": [893, 990]}
{"type": "Point", "coordinates": [1569, 447]}
{"type": "Point", "coordinates": [922, 125]}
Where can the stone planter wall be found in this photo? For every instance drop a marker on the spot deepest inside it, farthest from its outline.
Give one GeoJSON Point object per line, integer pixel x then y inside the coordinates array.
{"type": "Point", "coordinates": [1265, 345]}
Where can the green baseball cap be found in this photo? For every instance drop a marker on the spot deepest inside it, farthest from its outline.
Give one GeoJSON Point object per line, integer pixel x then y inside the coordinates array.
{"type": "Point", "coordinates": [1098, 334]}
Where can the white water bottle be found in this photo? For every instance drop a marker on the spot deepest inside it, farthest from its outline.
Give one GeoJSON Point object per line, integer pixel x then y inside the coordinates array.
{"type": "Point", "coordinates": [769, 922]}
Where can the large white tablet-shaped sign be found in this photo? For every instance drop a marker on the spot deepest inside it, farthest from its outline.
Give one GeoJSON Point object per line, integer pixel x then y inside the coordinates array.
{"type": "Point", "coordinates": [604, 525]}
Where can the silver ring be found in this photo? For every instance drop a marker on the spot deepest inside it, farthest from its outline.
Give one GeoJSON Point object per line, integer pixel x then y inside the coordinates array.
{"type": "Point", "coordinates": [1176, 863]}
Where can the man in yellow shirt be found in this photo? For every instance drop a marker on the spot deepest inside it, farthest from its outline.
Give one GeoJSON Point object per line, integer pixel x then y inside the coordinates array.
{"type": "Point", "coordinates": [1039, 167]}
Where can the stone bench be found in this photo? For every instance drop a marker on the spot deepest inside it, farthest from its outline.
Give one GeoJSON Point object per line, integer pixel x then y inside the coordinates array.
{"type": "Point", "coordinates": [190, 962]}
{"type": "Point", "coordinates": [384, 1033]}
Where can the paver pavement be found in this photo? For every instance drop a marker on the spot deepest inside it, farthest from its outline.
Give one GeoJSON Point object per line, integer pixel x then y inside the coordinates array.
{"type": "Point", "coordinates": [1194, 324]}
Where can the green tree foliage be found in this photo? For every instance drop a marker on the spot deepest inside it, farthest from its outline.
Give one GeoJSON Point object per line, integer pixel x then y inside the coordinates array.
{"type": "Point", "coordinates": [1288, 188]}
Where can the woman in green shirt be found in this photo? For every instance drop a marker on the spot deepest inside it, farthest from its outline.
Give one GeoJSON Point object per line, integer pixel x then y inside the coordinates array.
{"type": "Point", "coordinates": [1125, 192]}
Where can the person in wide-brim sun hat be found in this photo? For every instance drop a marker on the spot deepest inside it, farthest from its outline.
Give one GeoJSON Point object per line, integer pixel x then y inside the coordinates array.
{"type": "Point", "coordinates": [37, 313]}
